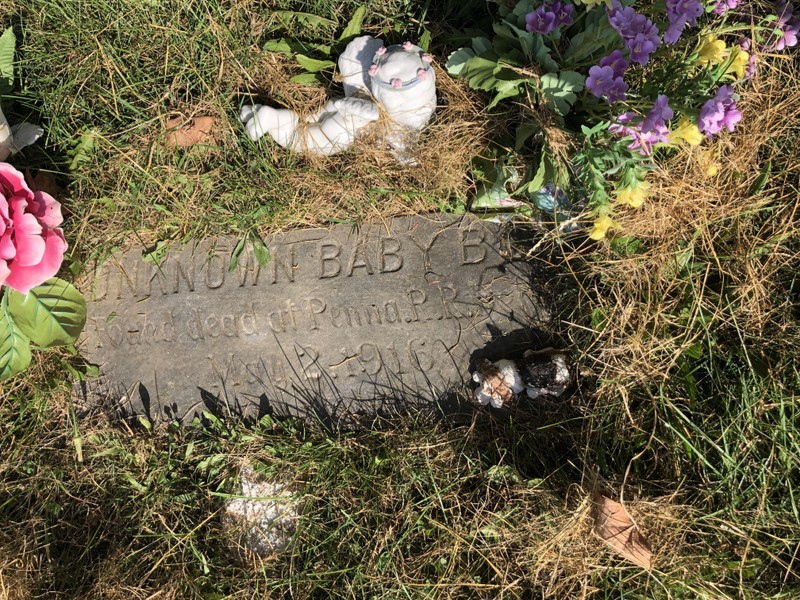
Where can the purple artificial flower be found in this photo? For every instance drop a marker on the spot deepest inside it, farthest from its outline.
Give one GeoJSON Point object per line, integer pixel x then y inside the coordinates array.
{"type": "Point", "coordinates": [624, 126]}
{"type": "Point", "coordinates": [638, 32]}
{"type": "Point", "coordinates": [641, 47]}
{"type": "Point", "coordinates": [681, 13]}
{"type": "Point", "coordinates": [625, 20]}
{"type": "Point", "coordinates": [718, 112]}
{"type": "Point", "coordinates": [616, 61]}
{"type": "Point", "coordinates": [750, 69]}
{"type": "Point", "coordinates": [723, 6]}
{"type": "Point", "coordinates": [744, 43]}
{"type": "Point", "coordinates": [648, 131]}
{"type": "Point", "coordinates": [599, 80]}
{"type": "Point", "coordinates": [620, 125]}
{"type": "Point", "coordinates": [541, 21]}
{"type": "Point", "coordinates": [549, 16]}
{"type": "Point", "coordinates": [564, 12]}
{"type": "Point", "coordinates": [788, 25]}
{"type": "Point", "coordinates": [617, 90]}
{"type": "Point", "coordinates": [658, 116]}
{"type": "Point", "coordinates": [604, 83]}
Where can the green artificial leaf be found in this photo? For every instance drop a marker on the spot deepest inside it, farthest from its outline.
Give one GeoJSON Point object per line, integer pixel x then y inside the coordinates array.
{"type": "Point", "coordinates": [424, 41]}
{"type": "Point", "coordinates": [287, 17]}
{"type": "Point", "coordinates": [492, 194]}
{"type": "Point", "coordinates": [534, 49]}
{"type": "Point", "coordinates": [762, 180]}
{"type": "Point", "coordinates": [595, 38]}
{"type": "Point", "coordinates": [543, 174]}
{"type": "Point", "coordinates": [237, 251]}
{"type": "Point", "coordinates": [559, 90]}
{"type": "Point", "coordinates": [354, 26]}
{"type": "Point", "coordinates": [542, 56]}
{"type": "Point", "coordinates": [524, 132]}
{"type": "Point", "coordinates": [281, 46]}
{"type": "Point", "coordinates": [259, 249]}
{"type": "Point", "coordinates": [599, 319]}
{"type": "Point", "coordinates": [313, 65]}
{"type": "Point", "coordinates": [573, 80]}
{"type": "Point", "coordinates": [156, 254]}
{"type": "Point", "coordinates": [51, 314]}
{"type": "Point", "coordinates": [522, 9]}
{"type": "Point", "coordinates": [481, 45]}
{"type": "Point", "coordinates": [550, 170]}
{"type": "Point", "coordinates": [15, 348]}
{"type": "Point", "coordinates": [504, 91]}
{"type": "Point", "coordinates": [504, 37]}
{"type": "Point", "coordinates": [289, 47]}
{"type": "Point", "coordinates": [626, 245]}
{"type": "Point", "coordinates": [457, 61]}
{"type": "Point", "coordinates": [307, 79]}
{"type": "Point", "coordinates": [601, 126]}
{"type": "Point", "coordinates": [480, 73]}
{"type": "Point", "coordinates": [7, 43]}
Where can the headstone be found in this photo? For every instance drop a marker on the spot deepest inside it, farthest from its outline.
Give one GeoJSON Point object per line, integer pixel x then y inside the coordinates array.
{"type": "Point", "coordinates": [338, 323]}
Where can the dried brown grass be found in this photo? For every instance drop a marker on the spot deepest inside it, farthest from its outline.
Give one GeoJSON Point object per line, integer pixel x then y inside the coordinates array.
{"type": "Point", "coordinates": [713, 254]}
{"type": "Point", "coordinates": [569, 560]}
{"type": "Point", "coordinates": [17, 571]}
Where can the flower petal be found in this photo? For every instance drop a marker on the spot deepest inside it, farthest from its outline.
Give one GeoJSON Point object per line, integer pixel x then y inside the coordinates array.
{"type": "Point", "coordinates": [23, 278]}
{"type": "Point", "coordinates": [30, 249]}
{"type": "Point", "coordinates": [4, 271]}
{"type": "Point", "coordinates": [46, 208]}
{"type": "Point", "coordinates": [12, 182]}
{"type": "Point", "coordinates": [7, 249]}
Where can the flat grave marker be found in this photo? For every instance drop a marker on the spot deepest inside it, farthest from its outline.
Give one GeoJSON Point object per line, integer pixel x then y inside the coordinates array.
{"type": "Point", "coordinates": [339, 322]}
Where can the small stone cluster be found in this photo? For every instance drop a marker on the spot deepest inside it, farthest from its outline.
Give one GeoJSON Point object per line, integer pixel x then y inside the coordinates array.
{"type": "Point", "coordinates": [536, 373]}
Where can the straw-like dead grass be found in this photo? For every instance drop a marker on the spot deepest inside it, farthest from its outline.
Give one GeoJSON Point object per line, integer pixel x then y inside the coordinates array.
{"type": "Point", "coordinates": [713, 249]}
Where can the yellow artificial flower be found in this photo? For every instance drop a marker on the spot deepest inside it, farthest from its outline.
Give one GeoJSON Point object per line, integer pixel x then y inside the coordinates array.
{"type": "Point", "coordinates": [736, 69]}
{"type": "Point", "coordinates": [601, 226]}
{"type": "Point", "coordinates": [686, 131]}
{"type": "Point", "coordinates": [712, 51]}
{"type": "Point", "coordinates": [634, 194]}
{"type": "Point", "coordinates": [708, 162]}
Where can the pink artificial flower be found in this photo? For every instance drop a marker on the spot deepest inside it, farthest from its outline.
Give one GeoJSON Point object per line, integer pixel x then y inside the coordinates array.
{"type": "Point", "coordinates": [32, 244]}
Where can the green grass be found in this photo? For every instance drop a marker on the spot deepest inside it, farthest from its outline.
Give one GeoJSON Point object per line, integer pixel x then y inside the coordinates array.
{"type": "Point", "coordinates": [687, 403]}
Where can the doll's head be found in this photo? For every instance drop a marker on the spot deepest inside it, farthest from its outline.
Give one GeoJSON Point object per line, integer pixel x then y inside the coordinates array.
{"type": "Point", "coordinates": [403, 81]}
{"type": "Point", "coordinates": [400, 67]}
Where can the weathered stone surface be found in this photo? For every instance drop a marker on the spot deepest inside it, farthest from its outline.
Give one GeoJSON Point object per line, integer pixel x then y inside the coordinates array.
{"type": "Point", "coordinates": [339, 322]}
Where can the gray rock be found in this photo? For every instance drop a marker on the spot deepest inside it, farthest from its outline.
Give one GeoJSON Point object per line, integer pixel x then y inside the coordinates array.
{"type": "Point", "coordinates": [263, 519]}
{"type": "Point", "coordinates": [340, 322]}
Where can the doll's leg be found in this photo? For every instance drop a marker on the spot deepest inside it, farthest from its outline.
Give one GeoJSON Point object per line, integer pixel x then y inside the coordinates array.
{"type": "Point", "coordinates": [280, 124]}
{"type": "Point", "coordinates": [338, 130]}
{"type": "Point", "coordinates": [330, 107]}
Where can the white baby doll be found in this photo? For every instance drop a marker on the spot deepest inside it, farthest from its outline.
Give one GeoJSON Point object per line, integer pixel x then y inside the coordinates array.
{"type": "Point", "coordinates": [397, 80]}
